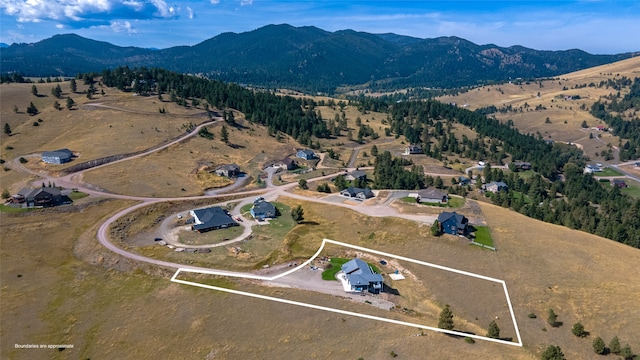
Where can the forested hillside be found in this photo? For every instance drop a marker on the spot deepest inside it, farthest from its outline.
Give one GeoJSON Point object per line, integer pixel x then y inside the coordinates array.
{"type": "Point", "coordinates": [308, 59]}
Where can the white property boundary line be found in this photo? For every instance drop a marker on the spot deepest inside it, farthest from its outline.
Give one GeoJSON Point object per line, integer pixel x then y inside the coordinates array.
{"type": "Point", "coordinates": [318, 307]}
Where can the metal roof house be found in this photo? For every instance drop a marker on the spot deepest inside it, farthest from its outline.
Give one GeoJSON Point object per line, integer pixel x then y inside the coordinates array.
{"type": "Point", "coordinates": [306, 154]}
{"type": "Point", "coordinates": [356, 174]}
{"type": "Point", "coordinates": [263, 210]}
{"type": "Point", "coordinates": [430, 195]}
{"type": "Point", "coordinates": [212, 218]}
{"type": "Point", "coordinates": [57, 157]}
{"type": "Point", "coordinates": [453, 223]}
{"type": "Point", "coordinates": [361, 277]}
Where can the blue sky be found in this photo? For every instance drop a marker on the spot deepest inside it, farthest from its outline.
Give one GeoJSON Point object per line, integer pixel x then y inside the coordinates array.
{"type": "Point", "coordinates": [597, 26]}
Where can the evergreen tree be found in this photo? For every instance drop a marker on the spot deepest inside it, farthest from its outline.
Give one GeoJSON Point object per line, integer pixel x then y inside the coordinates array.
{"type": "Point", "coordinates": [374, 150]}
{"type": "Point", "coordinates": [598, 346]}
{"type": "Point", "coordinates": [302, 184]}
{"type": "Point", "coordinates": [446, 318]}
{"type": "Point", "coordinates": [7, 129]}
{"type": "Point", "coordinates": [552, 319]}
{"type": "Point", "coordinates": [494, 330]}
{"type": "Point", "coordinates": [5, 194]}
{"type": "Point", "coordinates": [34, 90]}
{"type": "Point", "coordinates": [626, 353]}
{"type": "Point", "coordinates": [552, 353]}
{"type": "Point", "coordinates": [614, 345]}
{"type": "Point", "coordinates": [70, 103]}
{"type": "Point", "coordinates": [56, 105]}
{"type": "Point", "coordinates": [297, 213]}
{"type": "Point", "coordinates": [56, 91]}
{"type": "Point", "coordinates": [578, 330]}
{"type": "Point", "coordinates": [224, 134]}
{"type": "Point", "coordinates": [32, 109]}
{"type": "Point", "coordinates": [74, 86]}
{"type": "Point", "coordinates": [435, 228]}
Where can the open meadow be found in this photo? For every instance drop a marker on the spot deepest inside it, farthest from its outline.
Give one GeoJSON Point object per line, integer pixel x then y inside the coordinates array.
{"type": "Point", "coordinates": [544, 106]}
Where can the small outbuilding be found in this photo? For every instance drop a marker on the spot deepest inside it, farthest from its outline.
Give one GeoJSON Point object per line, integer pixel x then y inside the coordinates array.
{"type": "Point", "coordinates": [413, 149]}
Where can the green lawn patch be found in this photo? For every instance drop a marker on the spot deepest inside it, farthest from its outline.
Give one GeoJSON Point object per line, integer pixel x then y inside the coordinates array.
{"type": "Point", "coordinates": [608, 172]}
{"type": "Point", "coordinates": [454, 202]}
{"type": "Point", "coordinates": [483, 236]}
{"type": "Point", "coordinates": [75, 195]}
{"type": "Point", "coordinates": [11, 209]}
{"type": "Point", "coordinates": [336, 264]}
{"type": "Point", "coordinates": [633, 189]}
{"type": "Point", "coordinates": [517, 195]}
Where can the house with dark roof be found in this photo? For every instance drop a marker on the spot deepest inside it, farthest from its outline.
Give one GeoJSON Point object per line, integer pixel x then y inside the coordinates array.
{"type": "Point", "coordinates": [212, 218]}
{"type": "Point", "coordinates": [620, 183]}
{"type": "Point", "coordinates": [306, 154]}
{"type": "Point", "coordinates": [263, 210]}
{"type": "Point", "coordinates": [361, 277]}
{"type": "Point", "coordinates": [463, 180]}
{"type": "Point", "coordinates": [57, 157]}
{"type": "Point", "coordinates": [45, 197]}
{"type": "Point", "coordinates": [430, 195]}
{"type": "Point", "coordinates": [358, 193]}
{"type": "Point", "coordinates": [356, 174]}
{"type": "Point", "coordinates": [413, 149]}
{"type": "Point", "coordinates": [453, 223]}
{"type": "Point", "coordinates": [522, 165]}
{"type": "Point", "coordinates": [494, 186]}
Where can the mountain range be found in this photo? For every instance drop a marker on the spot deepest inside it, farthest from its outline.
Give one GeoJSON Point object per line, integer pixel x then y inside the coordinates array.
{"type": "Point", "coordinates": [308, 58]}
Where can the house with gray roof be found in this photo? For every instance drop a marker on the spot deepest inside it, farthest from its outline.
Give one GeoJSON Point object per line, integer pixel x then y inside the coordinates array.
{"type": "Point", "coordinates": [357, 193]}
{"type": "Point", "coordinates": [57, 157]}
{"type": "Point", "coordinates": [263, 210]}
{"type": "Point", "coordinates": [413, 149]}
{"type": "Point", "coordinates": [211, 218]}
{"type": "Point", "coordinates": [453, 223]}
{"type": "Point", "coordinates": [356, 174]}
{"type": "Point", "coordinates": [495, 186]}
{"type": "Point", "coordinates": [430, 195]}
{"type": "Point", "coordinates": [361, 277]}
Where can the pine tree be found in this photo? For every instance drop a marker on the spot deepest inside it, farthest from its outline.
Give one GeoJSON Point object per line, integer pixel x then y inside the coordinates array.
{"type": "Point", "coordinates": [552, 319]}
{"type": "Point", "coordinates": [374, 150]}
{"type": "Point", "coordinates": [224, 135]}
{"type": "Point", "coordinates": [494, 330]}
{"type": "Point", "coordinates": [614, 345]}
{"type": "Point", "coordinates": [70, 103]}
{"type": "Point", "coordinates": [297, 213]}
{"type": "Point", "coordinates": [626, 352]}
{"type": "Point", "coordinates": [435, 229]}
{"type": "Point", "coordinates": [303, 184]}
{"type": "Point", "coordinates": [34, 90]}
{"type": "Point", "coordinates": [446, 318]}
{"type": "Point", "coordinates": [7, 129]}
{"type": "Point", "coordinates": [32, 109]}
{"type": "Point", "coordinates": [5, 194]}
{"type": "Point", "coordinates": [598, 346]}
{"type": "Point", "coordinates": [552, 353]}
{"type": "Point", "coordinates": [578, 330]}
{"type": "Point", "coordinates": [74, 86]}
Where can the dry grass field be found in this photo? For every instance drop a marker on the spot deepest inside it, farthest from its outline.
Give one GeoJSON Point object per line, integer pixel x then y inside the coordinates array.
{"type": "Point", "coordinates": [67, 289]}
{"type": "Point", "coordinates": [565, 116]}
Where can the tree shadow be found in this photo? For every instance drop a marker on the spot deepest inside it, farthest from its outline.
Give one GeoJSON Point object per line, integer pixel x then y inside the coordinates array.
{"type": "Point", "coordinates": [236, 146]}
{"type": "Point", "coordinates": [308, 223]}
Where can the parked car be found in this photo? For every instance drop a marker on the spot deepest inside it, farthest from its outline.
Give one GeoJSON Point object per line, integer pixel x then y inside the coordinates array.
{"type": "Point", "coordinates": [157, 239]}
{"type": "Point", "coordinates": [383, 262]}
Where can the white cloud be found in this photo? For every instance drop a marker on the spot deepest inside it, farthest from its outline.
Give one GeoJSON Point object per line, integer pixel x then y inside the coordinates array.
{"type": "Point", "coordinates": [215, 2]}
{"type": "Point", "coordinates": [246, 2]}
{"type": "Point", "coordinates": [190, 13]}
{"type": "Point", "coordinates": [85, 10]}
{"type": "Point", "coordinates": [122, 26]}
